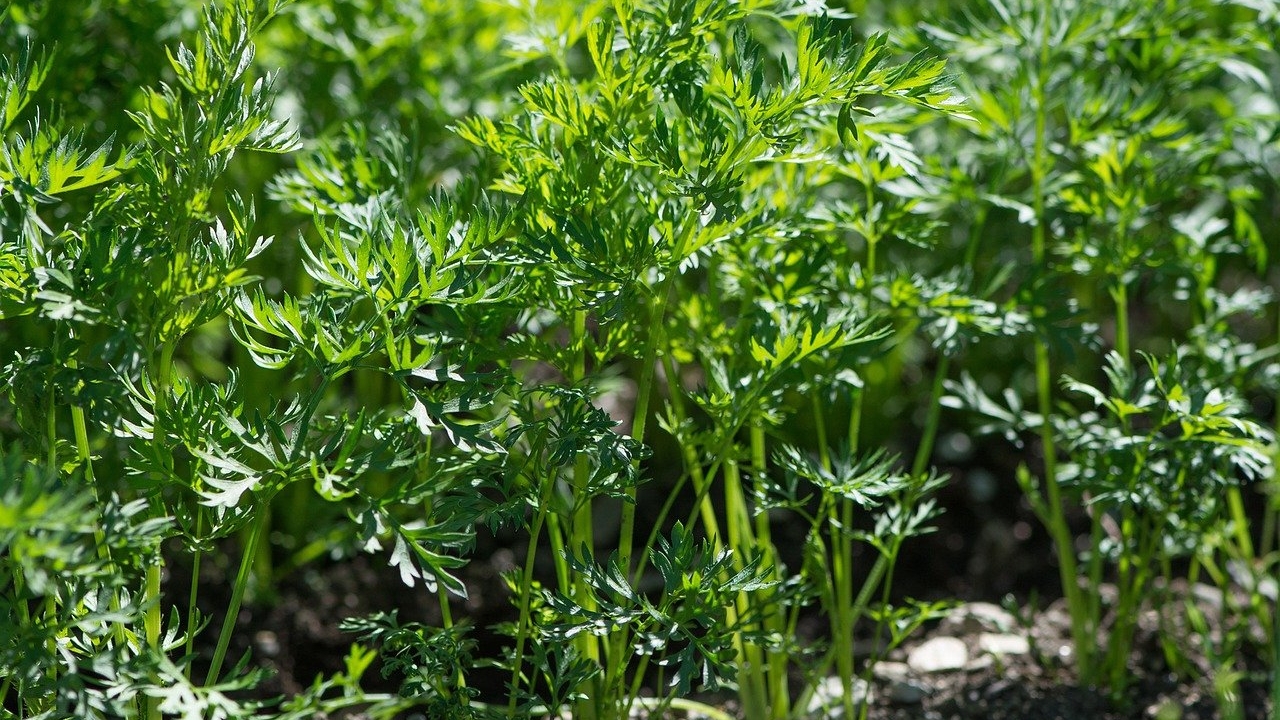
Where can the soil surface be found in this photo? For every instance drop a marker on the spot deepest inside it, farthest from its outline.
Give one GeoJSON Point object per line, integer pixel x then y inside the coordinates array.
{"type": "Point", "coordinates": [1039, 684]}
{"type": "Point", "coordinates": [296, 638]}
{"type": "Point", "coordinates": [987, 549]}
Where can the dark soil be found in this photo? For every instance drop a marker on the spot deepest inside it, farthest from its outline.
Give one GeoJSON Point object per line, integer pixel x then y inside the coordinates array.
{"type": "Point", "coordinates": [296, 638]}
{"type": "Point", "coordinates": [294, 634]}
{"type": "Point", "coordinates": [1041, 685]}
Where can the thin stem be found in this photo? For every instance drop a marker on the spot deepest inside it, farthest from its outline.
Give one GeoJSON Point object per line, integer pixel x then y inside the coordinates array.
{"type": "Point", "coordinates": [640, 418]}
{"type": "Point", "coordinates": [51, 423]}
{"type": "Point", "coordinates": [741, 538]}
{"type": "Point", "coordinates": [841, 614]}
{"type": "Point", "coordinates": [663, 513]}
{"type": "Point", "coordinates": [1275, 659]}
{"type": "Point", "coordinates": [24, 615]}
{"type": "Point", "coordinates": [927, 439]}
{"type": "Point", "coordinates": [1120, 294]}
{"type": "Point", "coordinates": [237, 593]}
{"type": "Point", "coordinates": [619, 640]}
{"type": "Point", "coordinates": [859, 606]}
{"type": "Point", "coordinates": [1092, 602]}
{"type": "Point", "coordinates": [772, 622]}
{"type": "Point", "coordinates": [1132, 590]}
{"type": "Point", "coordinates": [840, 520]}
{"type": "Point", "coordinates": [80, 428]}
{"type": "Point", "coordinates": [693, 707]}
{"type": "Point", "coordinates": [303, 428]}
{"type": "Point", "coordinates": [82, 443]}
{"type": "Point", "coordinates": [691, 462]}
{"type": "Point", "coordinates": [582, 528]}
{"type": "Point", "coordinates": [1239, 522]}
{"type": "Point", "coordinates": [841, 619]}
{"type": "Point", "coordinates": [1173, 656]}
{"type": "Point", "coordinates": [193, 593]}
{"type": "Point", "coordinates": [637, 681]}
{"type": "Point", "coordinates": [820, 429]}
{"type": "Point", "coordinates": [151, 592]}
{"type": "Point", "coordinates": [526, 587]}
{"type": "Point", "coordinates": [1055, 513]}
{"type": "Point", "coordinates": [855, 419]}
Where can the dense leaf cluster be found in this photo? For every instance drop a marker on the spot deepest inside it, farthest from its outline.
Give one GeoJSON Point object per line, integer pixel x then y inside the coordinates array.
{"type": "Point", "coordinates": [671, 296]}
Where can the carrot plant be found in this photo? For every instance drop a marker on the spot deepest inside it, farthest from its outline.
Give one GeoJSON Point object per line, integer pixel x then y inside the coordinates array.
{"type": "Point", "coordinates": [666, 183]}
{"type": "Point", "coordinates": [106, 293]}
{"type": "Point", "coordinates": [649, 149]}
{"type": "Point", "coordinates": [1136, 178]}
{"type": "Point", "coordinates": [669, 296]}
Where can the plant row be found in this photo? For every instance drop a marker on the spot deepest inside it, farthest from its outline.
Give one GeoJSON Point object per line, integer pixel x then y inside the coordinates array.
{"type": "Point", "coordinates": [676, 297]}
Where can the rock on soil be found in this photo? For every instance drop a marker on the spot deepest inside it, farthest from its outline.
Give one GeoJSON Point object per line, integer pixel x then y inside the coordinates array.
{"type": "Point", "coordinates": [939, 654]}
{"type": "Point", "coordinates": [981, 663]}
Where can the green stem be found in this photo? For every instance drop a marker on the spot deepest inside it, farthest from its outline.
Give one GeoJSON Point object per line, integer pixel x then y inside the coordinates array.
{"type": "Point", "coordinates": [841, 614]}
{"type": "Point", "coordinates": [152, 625]}
{"type": "Point", "coordinates": [642, 561]}
{"type": "Point", "coordinates": [1055, 512]}
{"type": "Point", "coordinates": [193, 593]}
{"type": "Point", "coordinates": [691, 461]}
{"type": "Point", "coordinates": [555, 533]}
{"type": "Point", "coordinates": [82, 445]}
{"type": "Point", "coordinates": [582, 530]}
{"type": "Point", "coordinates": [24, 616]}
{"type": "Point", "coordinates": [820, 429]}
{"type": "Point", "coordinates": [869, 585]}
{"type": "Point", "coordinates": [526, 591]}
{"type": "Point", "coordinates": [930, 435]}
{"type": "Point", "coordinates": [693, 707]}
{"type": "Point", "coordinates": [840, 523]}
{"type": "Point", "coordinates": [1239, 522]}
{"type": "Point", "coordinates": [1173, 656]}
{"type": "Point", "coordinates": [741, 539]}
{"type": "Point", "coordinates": [855, 419]}
{"type": "Point", "coordinates": [51, 423]}
{"type": "Point", "coordinates": [640, 418]}
{"type": "Point", "coordinates": [637, 682]}
{"type": "Point", "coordinates": [1132, 589]}
{"type": "Point", "coordinates": [260, 515]}
{"type": "Point", "coordinates": [81, 430]}
{"type": "Point", "coordinates": [151, 593]}
{"type": "Point", "coordinates": [1275, 658]}
{"type": "Point", "coordinates": [626, 535]}
{"type": "Point", "coordinates": [1092, 602]}
{"type": "Point", "coordinates": [249, 552]}
{"type": "Point", "coordinates": [1120, 295]}
{"type": "Point", "coordinates": [773, 623]}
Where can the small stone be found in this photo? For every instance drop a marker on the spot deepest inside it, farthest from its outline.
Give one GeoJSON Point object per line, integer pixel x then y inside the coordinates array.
{"type": "Point", "coordinates": [1207, 595]}
{"type": "Point", "coordinates": [888, 671]}
{"type": "Point", "coordinates": [1003, 644]}
{"type": "Point", "coordinates": [998, 688]}
{"type": "Point", "coordinates": [982, 662]}
{"type": "Point", "coordinates": [939, 654]}
{"type": "Point", "coordinates": [266, 643]}
{"type": "Point", "coordinates": [827, 697]}
{"type": "Point", "coordinates": [975, 617]}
